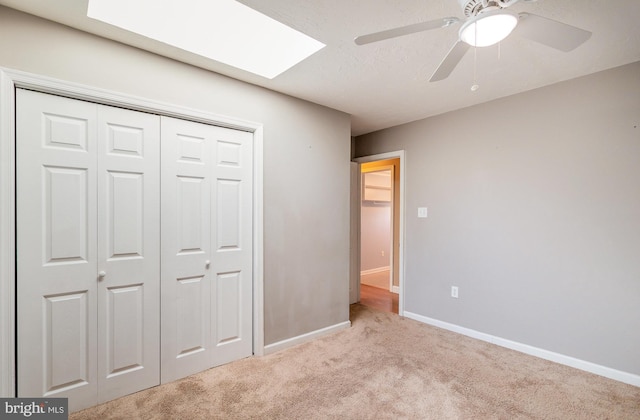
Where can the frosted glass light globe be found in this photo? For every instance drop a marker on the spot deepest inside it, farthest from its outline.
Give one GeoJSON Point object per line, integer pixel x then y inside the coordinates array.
{"type": "Point", "coordinates": [490, 28]}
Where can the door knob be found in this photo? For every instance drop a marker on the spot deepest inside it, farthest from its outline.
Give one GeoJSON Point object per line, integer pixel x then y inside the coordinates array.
{"type": "Point", "coordinates": [207, 264]}
{"type": "Point", "coordinates": [102, 274]}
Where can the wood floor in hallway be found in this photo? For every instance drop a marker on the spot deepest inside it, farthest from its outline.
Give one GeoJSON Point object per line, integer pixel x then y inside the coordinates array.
{"type": "Point", "coordinates": [375, 297]}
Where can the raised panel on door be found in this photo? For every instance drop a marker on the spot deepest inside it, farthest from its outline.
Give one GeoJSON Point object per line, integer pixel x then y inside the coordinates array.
{"type": "Point", "coordinates": [232, 254]}
{"type": "Point", "coordinates": [191, 305]}
{"type": "Point", "coordinates": [56, 247]}
{"type": "Point", "coordinates": [186, 248]}
{"type": "Point", "coordinates": [128, 251]}
{"type": "Point", "coordinates": [66, 342]}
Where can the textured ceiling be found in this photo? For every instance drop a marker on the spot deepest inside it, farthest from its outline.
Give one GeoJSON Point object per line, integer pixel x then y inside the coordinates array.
{"type": "Point", "coordinates": [387, 83]}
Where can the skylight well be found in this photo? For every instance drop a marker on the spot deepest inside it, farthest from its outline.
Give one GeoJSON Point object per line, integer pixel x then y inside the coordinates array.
{"type": "Point", "coordinates": [222, 30]}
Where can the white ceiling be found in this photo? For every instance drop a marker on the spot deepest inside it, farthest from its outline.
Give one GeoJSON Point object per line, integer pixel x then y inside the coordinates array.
{"type": "Point", "coordinates": [387, 83]}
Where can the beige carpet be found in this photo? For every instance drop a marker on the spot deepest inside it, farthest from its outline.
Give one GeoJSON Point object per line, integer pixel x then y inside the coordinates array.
{"type": "Point", "coordinates": [384, 367]}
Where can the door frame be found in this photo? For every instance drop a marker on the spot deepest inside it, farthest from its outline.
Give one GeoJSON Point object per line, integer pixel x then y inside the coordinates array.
{"type": "Point", "coordinates": [355, 195]}
{"type": "Point", "coordinates": [12, 79]}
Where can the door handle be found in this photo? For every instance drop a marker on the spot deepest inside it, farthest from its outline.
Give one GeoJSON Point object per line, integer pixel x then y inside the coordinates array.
{"type": "Point", "coordinates": [101, 275]}
{"type": "Point", "coordinates": [207, 264]}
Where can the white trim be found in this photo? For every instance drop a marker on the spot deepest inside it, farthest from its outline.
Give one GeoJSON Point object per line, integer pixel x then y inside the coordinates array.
{"type": "Point", "coordinates": [9, 80]}
{"type": "Point", "coordinates": [395, 289]}
{"type": "Point", "coordinates": [400, 154]}
{"type": "Point", "coordinates": [105, 97]}
{"type": "Point", "coordinates": [7, 238]}
{"type": "Point", "coordinates": [258, 251]}
{"type": "Point", "coordinates": [618, 375]}
{"type": "Point", "coordinates": [354, 233]}
{"type": "Point", "coordinates": [375, 270]}
{"type": "Point", "coordinates": [294, 341]}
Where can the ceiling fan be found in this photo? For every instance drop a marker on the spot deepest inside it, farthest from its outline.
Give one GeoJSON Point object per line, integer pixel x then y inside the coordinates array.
{"type": "Point", "coordinates": [487, 23]}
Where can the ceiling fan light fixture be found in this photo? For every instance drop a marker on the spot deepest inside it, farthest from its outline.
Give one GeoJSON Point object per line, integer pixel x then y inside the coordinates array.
{"type": "Point", "coordinates": [489, 27]}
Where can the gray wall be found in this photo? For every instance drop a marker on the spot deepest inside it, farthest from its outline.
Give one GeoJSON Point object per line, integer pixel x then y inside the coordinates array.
{"type": "Point", "coordinates": [534, 213]}
{"type": "Point", "coordinates": [306, 159]}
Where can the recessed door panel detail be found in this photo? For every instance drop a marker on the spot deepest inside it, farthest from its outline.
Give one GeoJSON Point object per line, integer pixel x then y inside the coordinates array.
{"type": "Point", "coordinates": [125, 329]}
{"type": "Point", "coordinates": [125, 214]}
{"type": "Point", "coordinates": [229, 153]}
{"type": "Point", "coordinates": [191, 320]}
{"type": "Point", "coordinates": [65, 132]}
{"type": "Point", "coordinates": [190, 214]}
{"type": "Point", "coordinates": [191, 149]}
{"type": "Point", "coordinates": [65, 218]}
{"type": "Point", "coordinates": [229, 307]}
{"type": "Point", "coordinates": [126, 141]}
{"type": "Point", "coordinates": [228, 214]}
{"type": "Point", "coordinates": [66, 339]}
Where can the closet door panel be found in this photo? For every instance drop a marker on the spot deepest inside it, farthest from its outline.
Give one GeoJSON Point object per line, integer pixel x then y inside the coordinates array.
{"type": "Point", "coordinates": [56, 247]}
{"type": "Point", "coordinates": [232, 257]}
{"type": "Point", "coordinates": [186, 248]}
{"type": "Point", "coordinates": [88, 249]}
{"type": "Point", "coordinates": [128, 250]}
{"type": "Point", "coordinates": [207, 210]}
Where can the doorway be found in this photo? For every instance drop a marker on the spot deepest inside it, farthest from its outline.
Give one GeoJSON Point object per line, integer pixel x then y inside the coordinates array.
{"type": "Point", "coordinates": [376, 258]}
{"type": "Point", "coordinates": [376, 236]}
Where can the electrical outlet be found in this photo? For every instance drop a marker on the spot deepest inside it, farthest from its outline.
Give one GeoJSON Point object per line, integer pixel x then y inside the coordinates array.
{"type": "Point", "coordinates": [454, 292]}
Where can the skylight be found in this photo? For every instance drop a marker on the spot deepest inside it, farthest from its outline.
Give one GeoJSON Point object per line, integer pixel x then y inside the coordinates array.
{"type": "Point", "coordinates": [222, 30]}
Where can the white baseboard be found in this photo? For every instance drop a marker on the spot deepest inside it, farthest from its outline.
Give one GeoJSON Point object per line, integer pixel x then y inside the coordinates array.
{"type": "Point", "coordinates": [375, 270]}
{"type": "Point", "coordinates": [294, 341]}
{"type": "Point", "coordinates": [618, 375]}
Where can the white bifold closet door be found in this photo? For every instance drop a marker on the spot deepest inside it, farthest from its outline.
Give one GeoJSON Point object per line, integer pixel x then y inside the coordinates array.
{"type": "Point", "coordinates": [88, 235]}
{"type": "Point", "coordinates": [207, 190]}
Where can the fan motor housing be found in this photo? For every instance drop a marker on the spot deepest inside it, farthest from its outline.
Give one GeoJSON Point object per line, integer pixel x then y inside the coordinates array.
{"type": "Point", "coordinates": [473, 7]}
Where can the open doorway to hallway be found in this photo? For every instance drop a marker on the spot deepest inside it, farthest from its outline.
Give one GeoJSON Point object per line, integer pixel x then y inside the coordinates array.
{"type": "Point", "coordinates": [379, 234]}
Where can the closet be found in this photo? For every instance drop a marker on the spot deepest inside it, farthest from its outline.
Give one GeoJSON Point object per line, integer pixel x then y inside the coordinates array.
{"type": "Point", "coordinates": [116, 244]}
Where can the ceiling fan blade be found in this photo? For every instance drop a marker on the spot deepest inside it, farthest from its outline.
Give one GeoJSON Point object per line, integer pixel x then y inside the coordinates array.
{"type": "Point", "coordinates": [405, 30]}
{"type": "Point", "coordinates": [450, 62]}
{"type": "Point", "coordinates": [551, 33]}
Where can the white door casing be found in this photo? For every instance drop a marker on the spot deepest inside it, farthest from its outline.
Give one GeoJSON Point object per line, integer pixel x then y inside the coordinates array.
{"type": "Point", "coordinates": [354, 234]}
{"type": "Point", "coordinates": [88, 249]}
{"type": "Point", "coordinates": [392, 256]}
{"type": "Point", "coordinates": [207, 250]}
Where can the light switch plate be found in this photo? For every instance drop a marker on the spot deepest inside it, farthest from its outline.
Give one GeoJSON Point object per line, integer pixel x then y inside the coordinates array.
{"type": "Point", "coordinates": [422, 212]}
